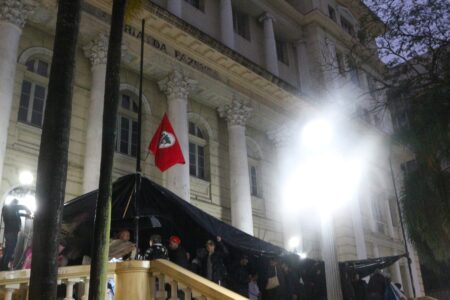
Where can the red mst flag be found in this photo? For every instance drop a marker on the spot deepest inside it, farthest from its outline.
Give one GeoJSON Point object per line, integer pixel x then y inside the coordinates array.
{"type": "Point", "coordinates": [164, 145]}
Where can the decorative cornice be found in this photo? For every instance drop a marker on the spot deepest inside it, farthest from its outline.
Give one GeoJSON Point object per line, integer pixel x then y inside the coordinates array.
{"type": "Point", "coordinates": [236, 113]}
{"type": "Point", "coordinates": [281, 136]}
{"type": "Point", "coordinates": [177, 85]}
{"type": "Point", "coordinates": [16, 11]}
{"type": "Point", "coordinates": [266, 16]}
{"type": "Point", "coordinates": [97, 49]}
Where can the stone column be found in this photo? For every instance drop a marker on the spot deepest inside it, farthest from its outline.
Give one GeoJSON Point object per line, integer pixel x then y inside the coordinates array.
{"type": "Point", "coordinates": [358, 229]}
{"type": "Point", "coordinates": [333, 278]}
{"type": "Point", "coordinates": [174, 7]}
{"type": "Point", "coordinates": [270, 48]}
{"type": "Point", "coordinates": [177, 87]}
{"type": "Point", "coordinates": [226, 23]}
{"type": "Point", "coordinates": [282, 138]}
{"type": "Point", "coordinates": [303, 65]}
{"type": "Point", "coordinates": [13, 14]}
{"type": "Point", "coordinates": [236, 115]}
{"type": "Point", "coordinates": [96, 51]}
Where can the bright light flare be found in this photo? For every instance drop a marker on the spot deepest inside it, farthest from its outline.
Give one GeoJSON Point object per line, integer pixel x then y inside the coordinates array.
{"type": "Point", "coordinates": [317, 134]}
{"type": "Point", "coordinates": [302, 255]}
{"type": "Point", "coordinates": [322, 183]}
{"type": "Point", "coordinates": [28, 200]}
{"type": "Point", "coordinates": [293, 242]}
{"type": "Point", "coordinates": [26, 177]}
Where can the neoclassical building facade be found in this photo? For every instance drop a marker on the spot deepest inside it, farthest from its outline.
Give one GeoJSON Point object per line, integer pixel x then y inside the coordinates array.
{"type": "Point", "coordinates": [238, 79]}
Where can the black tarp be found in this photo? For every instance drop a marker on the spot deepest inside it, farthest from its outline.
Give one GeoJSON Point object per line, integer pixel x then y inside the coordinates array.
{"type": "Point", "coordinates": [160, 211]}
{"type": "Point", "coordinates": [366, 267]}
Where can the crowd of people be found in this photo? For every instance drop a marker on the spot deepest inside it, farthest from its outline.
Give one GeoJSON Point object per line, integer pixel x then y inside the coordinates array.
{"type": "Point", "coordinates": [274, 280]}
{"type": "Point", "coordinates": [379, 287]}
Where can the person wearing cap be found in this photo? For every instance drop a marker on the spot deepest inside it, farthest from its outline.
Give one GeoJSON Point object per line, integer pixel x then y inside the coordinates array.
{"type": "Point", "coordinates": [177, 254]}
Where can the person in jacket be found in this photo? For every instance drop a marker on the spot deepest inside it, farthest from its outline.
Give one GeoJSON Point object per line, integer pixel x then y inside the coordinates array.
{"type": "Point", "coordinates": [272, 292]}
{"type": "Point", "coordinates": [11, 214]}
{"type": "Point", "coordinates": [213, 266]}
{"type": "Point", "coordinates": [177, 254]}
{"type": "Point", "coordinates": [360, 287]}
{"type": "Point", "coordinates": [156, 250]}
{"type": "Point", "coordinates": [376, 287]}
{"type": "Point", "coordinates": [240, 275]}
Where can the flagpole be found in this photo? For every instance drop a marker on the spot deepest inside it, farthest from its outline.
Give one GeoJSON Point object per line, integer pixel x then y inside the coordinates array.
{"type": "Point", "coordinates": [137, 185]}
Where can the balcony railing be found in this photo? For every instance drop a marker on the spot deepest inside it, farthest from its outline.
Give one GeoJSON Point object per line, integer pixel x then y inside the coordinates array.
{"type": "Point", "coordinates": [137, 280]}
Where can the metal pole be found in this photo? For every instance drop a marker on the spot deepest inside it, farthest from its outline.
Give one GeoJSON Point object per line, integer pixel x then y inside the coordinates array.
{"type": "Point", "coordinates": [402, 227]}
{"type": "Point", "coordinates": [137, 184]}
{"type": "Point", "coordinates": [139, 124]}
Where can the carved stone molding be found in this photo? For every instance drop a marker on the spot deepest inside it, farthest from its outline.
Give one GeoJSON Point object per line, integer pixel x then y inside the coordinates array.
{"type": "Point", "coordinates": [281, 136]}
{"type": "Point", "coordinates": [177, 85]}
{"type": "Point", "coordinates": [16, 11]}
{"type": "Point", "coordinates": [236, 113]}
{"type": "Point", "coordinates": [97, 49]}
{"type": "Point", "coordinates": [266, 16]}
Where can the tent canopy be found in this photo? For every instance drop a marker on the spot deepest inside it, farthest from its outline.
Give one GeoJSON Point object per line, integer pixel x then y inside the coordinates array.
{"type": "Point", "coordinates": [366, 267]}
{"type": "Point", "coordinates": [159, 211]}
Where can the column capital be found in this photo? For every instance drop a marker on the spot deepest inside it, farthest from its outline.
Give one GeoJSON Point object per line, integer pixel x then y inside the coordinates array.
{"type": "Point", "coordinates": [16, 11]}
{"type": "Point", "coordinates": [177, 85]}
{"type": "Point", "coordinates": [281, 136]}
{"type": "Point", "coordinates": [266, 16]}
{"type": "Point", "coordinates": [236, 113]}
{"type": "Point", "coordinates": [97, 49]}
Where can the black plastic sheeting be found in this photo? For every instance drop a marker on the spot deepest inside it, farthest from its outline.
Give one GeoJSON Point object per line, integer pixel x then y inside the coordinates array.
{"type": "Point", "coordinates": [366, 267]}
{"type": "Point", "coordinates": [160, 211]}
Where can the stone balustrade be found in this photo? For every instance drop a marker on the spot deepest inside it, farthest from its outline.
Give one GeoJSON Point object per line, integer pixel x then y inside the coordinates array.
{"type": "Point", "coordinates": [137, 280]}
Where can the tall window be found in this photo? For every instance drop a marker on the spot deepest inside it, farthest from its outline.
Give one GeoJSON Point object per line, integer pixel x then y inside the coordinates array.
{"type": "Point", "coordinates": [353, 70]}
{"type": "Point", "coordinates": [282, 52]}
{"type": "Point", "coordinates": [347, 26]}
{"type": "Point", "coordinates": [379, 213]}
{"type": "Point", "coordinates": [372, 86]}
{"type": "Point", "coordinates": [34, 92]}
{"type": "Point", "coordinates": [241, 24]}
{"type": "Point", "coordinates": [197, 147]}
{"type": "Point", "coordinates": [198, 4]}
{"type": "Point", "coordinates": [127, 124]}
{"type": "Point", "coordinates": [254, 181]}
{"type": "Point", "coordinates": [331, 13]}
{"type": "Point", "coordinates": [340, 63]}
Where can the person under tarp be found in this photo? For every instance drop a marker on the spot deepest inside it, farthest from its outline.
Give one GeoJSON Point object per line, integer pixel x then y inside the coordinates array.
{"type": "Point", "coordinates": [159, 211]}
{"type": "Point", "coordinates": [352, 272]}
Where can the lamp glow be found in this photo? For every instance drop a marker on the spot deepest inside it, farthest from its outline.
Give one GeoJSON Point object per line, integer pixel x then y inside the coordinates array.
{"type": "Point", "coordinates": [294, 242]}
{"type": "Point", "coordinates": [26, 177]}
{"type": "Point", "coordinates": [302, 255]}
{"type": "Point", "coordinates": [317, 134]}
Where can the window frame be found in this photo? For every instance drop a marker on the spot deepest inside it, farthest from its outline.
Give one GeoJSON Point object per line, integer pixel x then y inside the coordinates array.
{"type": "Point", "coordinates": [282, 52]}
{"type": "Point", "coordinates": [198, 139]}
{"type": "Point", "coordinates": [241, 24]}
{"type": "Point", "coordinates": [132, 117]}
{"type": "Point", "coordinates": [197, 4]}
{"type": "Point", "coordinates": [35, 79]}
{"type": "Point", "coordinates": [332, 13]}
{"type": "Point", "coordinates": [347, 26]}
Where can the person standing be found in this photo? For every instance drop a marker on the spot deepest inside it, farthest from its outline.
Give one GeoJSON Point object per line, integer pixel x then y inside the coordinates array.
{"type": "Point", "coordinates": [177, 254]}
{"type": "Point", "coordinates": [213, 264]}
{"type": "Point", "coordinates": [156, 250]}
{"type": "Point", "coordinates": [377, 286]}
{"type": "Point", "coordinates": [239, 276]}
{"type": "Point", "coordinates": [11, 217]}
